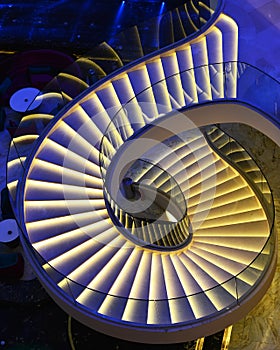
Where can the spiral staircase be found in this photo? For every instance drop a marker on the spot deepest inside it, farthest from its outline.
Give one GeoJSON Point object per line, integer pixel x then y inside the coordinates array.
{"type": "Point", "coordinates": [186, 246]}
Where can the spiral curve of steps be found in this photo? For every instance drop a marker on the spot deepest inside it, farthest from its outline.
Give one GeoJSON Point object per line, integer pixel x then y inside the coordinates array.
{"type": "Point", "coordinates": [73, 226]}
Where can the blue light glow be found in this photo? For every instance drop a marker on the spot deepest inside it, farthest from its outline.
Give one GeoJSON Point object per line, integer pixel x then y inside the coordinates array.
{"type": "Point", "coordinates": [119, 13]}
{"type": "Point", "coordinates": [161, 8]}
{"type": "Point", "coordinates": [117, 21]}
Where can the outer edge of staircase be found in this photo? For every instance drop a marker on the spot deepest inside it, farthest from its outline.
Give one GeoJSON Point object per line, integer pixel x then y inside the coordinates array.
{"type": "Point", "coordinates": [155, 334]}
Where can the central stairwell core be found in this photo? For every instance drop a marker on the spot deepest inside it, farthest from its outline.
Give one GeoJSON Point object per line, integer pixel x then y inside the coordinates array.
{"type": "Point", "coordinates": [143, 199]}
{"type": "Point", "coordinates": [151, 211]}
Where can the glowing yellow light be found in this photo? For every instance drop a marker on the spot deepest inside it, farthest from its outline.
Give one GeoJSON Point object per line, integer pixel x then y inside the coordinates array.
{"type": "Point", "coordinates": [189, 18]}
{"type": "Point", "coordinates": [66, 189]}
{"type": "Point", "coordinates": [12, 186]}
{"type": "Point", "coordinates": [71, 204]}
{"type": "Point", "coordinates": [68, 176]}
{"type": "Point", "coordinates": [86, 64]}
{"type": "Point", "coordinates": [35, 117]}
{"type": "Point", "coordinates": [120, 286]}
{"type": "Point", "coordinates": [66, 76]}
{"type": "Point", "coordinates": [68, 157]}
{"type": "Point", "coordinates": [95, 264]}
{"type": "Point", "coordinates": [15, 163]}
{"type": "Point", "coordinates": [94, 238]}
{"type": "Point", "coordinates": [25, 138]}
{"type": "Point", "coordinates": [226, 338]}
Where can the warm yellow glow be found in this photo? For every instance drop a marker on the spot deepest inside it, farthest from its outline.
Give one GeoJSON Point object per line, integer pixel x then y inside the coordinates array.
{"type": "Point", "coordinates": [170, 162]}
{"type": "Point", "coordinates": [35, 117]}
{"type": "Point", "coordinates": [120, 286]}
{"type": "Point", "coordinates": [15, 163]}
{"type": "Point", "coordinates": [12, 186]}
{"type": "Point", "coordinates": [139, 286]}
{"type": "Point", "coordinates": [217, 268]}
{"type": "Point", "coordinates": [66, 98]}
{"type": "Point", "coordinates": [7, 52]}
{"type": "Point", "coordinates": [155, 286]}
{"type": "Point", "coordinates": [221, 198]}
{"type": "Point", "coordinates": [30, 138]}
{"type": "Point", "coordinates": [155, 68]}
{"type": "Point", "coordinates": [81, 218]}
{"type": "Point", "coordinates": [67, 176]}
{"type": "Point", "coordinates": [94, 239]}
{"type": "Point", "coordinates": [119, 258]}
{"type": "Point", "coordinates": [128, 270]}
{"type": "Point", "coordinates": [173, 289]}
{"type": "Point", "coordinates": [100, 264]}
{"type": "Point", "coordinates": [110, 52]}
{"type": "Point", "coordinates": [215, 53]}
{"type": "Point", "coordinates": [68, 191]}
{"type": "Point", "coordinates": [149, 109]}
{"type": "Point", "coordinates": [157, 290]}
{"type": "Point", "coordinates": [182, 29]}
{"type": "Point", "coordinates": [230, 38]}
{"type": "Point", "coordinates": [66, 76]}
{"type": "Point", "coordinates": [199, 281]}
{"type": "Point", "coordinates": [226, 248]}
{"type": "Point", "coordinates": [197, 175]}
{"type": "Point", "coordinates": [223, 207]}
{"type": "Point", "coordinates": [63, 284]}
{"type": "Point", "coordinates": [226, 338]}
{"type": "Point", "coordinates": [199, 344]}
{"type": "Point", "coordinates": [187, 74]}
{"type": "Point", "coordinates": [248, 277]}
{"type": "Point", "coordinates": [208, 180]}
{"type": "Point", "coordinates": [189, 18]}
{"type": "Point", "coordinates": [87, 138]}
{"type": "Point", "coordinates": [68, 157]}
{"type": "Point", "coordinates": [85, 63]}
{"type": "Point", "coordinates": [236, 218]}
{"type": "Point", "coordinates": [89, 232]}
{"type": "Point", "coordinates": [194, 8]}
{"type": "Point", "coordinates": [203, 5]}
{"type": "Point", "coordinates": [71, 204]}
{"type": "Point", "coordinates": [197, 305]}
